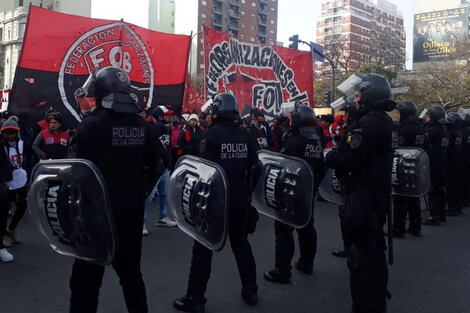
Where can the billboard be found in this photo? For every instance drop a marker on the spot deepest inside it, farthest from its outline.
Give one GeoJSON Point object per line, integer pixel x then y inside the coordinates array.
{"type": "Point", "coordinates": [436, 34]}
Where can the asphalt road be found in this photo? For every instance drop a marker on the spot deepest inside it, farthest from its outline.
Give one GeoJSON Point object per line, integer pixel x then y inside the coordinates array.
{"type": "Point", "coordinates": [431, 274]}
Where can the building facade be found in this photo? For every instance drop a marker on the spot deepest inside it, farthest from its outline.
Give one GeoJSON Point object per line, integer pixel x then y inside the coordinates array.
{"type": "Point", "coordinates": [253, 21]}
{"type": "Point", "coordinates": [162, 16]}
{"type": "Point", "coordinates": [13, 17]}
{"type": "Point", "coordinates": [357, 32]}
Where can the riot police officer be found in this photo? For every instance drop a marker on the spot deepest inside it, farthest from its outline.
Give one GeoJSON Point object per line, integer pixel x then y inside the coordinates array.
{"type": "Point", "coordinates": [438, 139]}
{"type": "Point", "coordinates": [368, 158]}
{"type": "Point", "coordinates": [300, 140]}
{"type": "Point", "coordinates": [233, 148]}
{"type": "Point", "coordinates": [466, 157]}
{"type": "Point", "coordinates": [410, 134]}
{"type": "Point", "coordinates": [455, 164]}
{"type": "Point", "coordinates": [117, 141]}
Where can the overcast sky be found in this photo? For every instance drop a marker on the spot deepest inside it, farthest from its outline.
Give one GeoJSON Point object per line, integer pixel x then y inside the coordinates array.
{"type": "Point", "coordinates": [294, 16]}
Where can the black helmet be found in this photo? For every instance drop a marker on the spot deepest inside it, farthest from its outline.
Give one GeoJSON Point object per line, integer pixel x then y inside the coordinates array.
{"type": "Point", "coordinates": [406, 109]}
{"type": "Point", "coordinates": [437, 114]}
{"type": "Point", "coordinates": [453, 118]}
{"type": "Point", "coordinates": [224, 103]}
{"type": "Point", "coordinates": [348, 105]}
{"type": "Point", "coordinates": [111, 79]}
{"type": "Point", "coordinates": [374, 89]}
{"type": "Point", "coordinates": [303, 116]}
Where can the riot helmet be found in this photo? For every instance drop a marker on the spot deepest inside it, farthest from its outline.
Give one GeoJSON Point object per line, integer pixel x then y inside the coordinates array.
{"type": "Point", "coordinates": [452, 118]}
{"type": "Point", "coordinates": [224, 103]}
{"type": "Point", "coordinates": [373, 87]}
{"type": "Point", "coordinates": [110, 86]}
{"type": "Point", "coordinates": [406, 109]}
{"type": "Point", "coordinates": [436, 113]}
{"type": "Point", "coordinates": [111, 79]}
{"type": "Point", "coordinates": [303, 116]}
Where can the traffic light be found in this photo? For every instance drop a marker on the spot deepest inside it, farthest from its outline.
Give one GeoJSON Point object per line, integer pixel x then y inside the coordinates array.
{"type": "Point", "coordinates": [295, 42]}
{"type": "Point", "coordinates": [327, 95]}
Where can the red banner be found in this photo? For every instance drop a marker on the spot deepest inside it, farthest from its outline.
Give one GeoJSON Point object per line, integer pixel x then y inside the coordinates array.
{"type": "Point", "coordinates": [259, 76]}
{"type": "Point", "coordinates": [60, 50]}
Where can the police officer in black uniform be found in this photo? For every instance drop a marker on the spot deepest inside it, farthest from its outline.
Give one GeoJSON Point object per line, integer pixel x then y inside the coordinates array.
{"type": "Point", "coordinates": [410, 134]}
{"type": "Point", "coordinates": [369, 161]}
{"type": "Point", "coordinates": [438, 139]}
{"type": "Point", "coordinates": [234, 149]}
{"type": "Point", "coordinates": [455, 164]}
{"type": "Point", "coordinates": [466, 158]}
{"type": "Point", "coordinates": [301, 140]}
{"type": "Point", "coordinates": [116, 140]}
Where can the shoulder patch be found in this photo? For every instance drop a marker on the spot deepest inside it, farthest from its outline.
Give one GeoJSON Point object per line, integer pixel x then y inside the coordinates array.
{"type": "Point", "coordinates": [354, 140]}
{"type": "Point", "coordinates": [401, 140]}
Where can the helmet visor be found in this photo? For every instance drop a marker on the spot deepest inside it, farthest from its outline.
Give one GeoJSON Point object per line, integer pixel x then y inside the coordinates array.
{"type": "Point", "coordinates": [287, 108]}
{"type": "Point", "coordinates": [352, 84]}
{"type": "Point", "coordinates": [338, 103]}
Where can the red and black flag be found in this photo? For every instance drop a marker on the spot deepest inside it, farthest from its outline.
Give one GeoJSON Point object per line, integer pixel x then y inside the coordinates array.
{"type": "Point", "coordinates": [61, 50]}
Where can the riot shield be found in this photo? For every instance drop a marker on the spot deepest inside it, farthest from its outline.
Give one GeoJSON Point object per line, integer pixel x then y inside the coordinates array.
{"type": "Point", "coordinates": [198, 199]}
{"type": "Point", "coordinates": [284, 190]}
{"type": "Point", "coordinates": [69, 200]}
{"type": "Point", "coordinates": [410, 172]}
{"type": "Point", "coordinates": [330, 188]}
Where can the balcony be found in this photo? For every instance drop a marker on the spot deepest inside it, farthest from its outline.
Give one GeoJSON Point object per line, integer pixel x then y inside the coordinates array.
{"type": "Point", "coordinates": [263, 11]}
{"type": "Point", "coordinates": [233, 26]}
{"type": "Point", "coordinates": [234, 3]}
{"type": "Point", "coordinates": [233, 14]}
{"type": "Point", "coordinates": [217, 23]}
{"type": "Point", "coordinates": [262, 34]}
{"type": "Point", "coordinates": [217, 10]}
{"type": "Point", "coordinates": [263, 1]}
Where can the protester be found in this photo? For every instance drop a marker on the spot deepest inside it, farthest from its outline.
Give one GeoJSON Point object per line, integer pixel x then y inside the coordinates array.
{"type": "Point", "coordinates": [6, 170]}
{"type": "Point", "coordinates": [52, 143]}
{"type": "Point", "coordinates": [190, 136]}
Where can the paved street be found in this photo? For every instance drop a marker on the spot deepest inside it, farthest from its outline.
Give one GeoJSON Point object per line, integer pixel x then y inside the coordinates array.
{"type": "Point", "coordinates": [431, 274]}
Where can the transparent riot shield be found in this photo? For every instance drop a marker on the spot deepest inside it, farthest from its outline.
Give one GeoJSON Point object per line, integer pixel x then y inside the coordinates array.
{"type": "Point", "coordinates": [410, 172]}
{"type": "Point", "coordinates": [198, 199]}
{"type": "Point", "coordinates": [284, 190]}
{"type": "Point", "coordinates": [330, 188]}
{"type": "Point", "coordinates": [69, 200]}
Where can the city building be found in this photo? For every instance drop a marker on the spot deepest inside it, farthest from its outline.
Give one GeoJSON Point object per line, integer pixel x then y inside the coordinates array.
{"type": "Point", "coordinates": [162, 16]}
{"type": "Point", "coordinates": [440, 30]}
{"type": "Point", "coordinates": [356, 32]}
{"type": "Point", "coordinates": [253, 21]}
{"type": "Point", "coordinates": [13, 16]}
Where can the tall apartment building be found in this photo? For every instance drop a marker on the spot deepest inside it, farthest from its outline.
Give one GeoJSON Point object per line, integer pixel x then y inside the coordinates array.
{"type": "Point", "coordinates": [252, 21]}
{"type": "Point", "coordinates": [362, 31]}
{"type": "Point", "coordinates": [162, 16]}
{"type": "Point", "coordinates": [13, 16]}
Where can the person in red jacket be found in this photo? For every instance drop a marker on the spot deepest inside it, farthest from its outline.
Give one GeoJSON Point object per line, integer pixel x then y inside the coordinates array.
{"type": "Point", "coordinates": [52, 143]}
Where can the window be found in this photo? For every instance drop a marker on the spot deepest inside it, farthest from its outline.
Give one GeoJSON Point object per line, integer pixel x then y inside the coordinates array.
{"type": "Point", "coordinates": [253, 4]}
{"type": "Point", "coordinates": [203, 2]}
{"type": "Point", "coordinates": [243, 1]}
{"type": "Point", "coordinates": [273, 9]}
{"type": "Point", "coordinates": [252, 27]}
{"type": "Point", "coordinates": [243, 25]}
{"type": "Point", "coordinates": [201, 66]}
{"type": "Point", "coordinates": [21, 30]}
{"type": "Point", "coordinates": [20, 3]}
{"type": "Point", "coordinates": [252, 39]}
{"type": "Point", "coordinates": [242, 13]}
{"type": "Point", "coordinates": [201, 53]}
{"type": "Point", "coordinates": [242, 37]}
{"type": "Point", "coordinates": [1, 34]}
{"type": "Point", "coordinates": [203, 15]}
{"type": "Point", "coordinates": [271, 21]}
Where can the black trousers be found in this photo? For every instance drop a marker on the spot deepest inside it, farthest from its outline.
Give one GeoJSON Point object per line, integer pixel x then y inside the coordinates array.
{"type": "Point", "coordinates": [455, 190]}
{"type": "Point", "coordinates": [19, 197]}
{"type": "Point", "coordinates": [285, 246]}
{"type": "Point", "coordinates": [4, 208]}
{"type": "Point", "coordinates": [86, 278]}
{"type": "Point", "coordinates": [437, 200]}
{"type": "Point", "coordinates": [368, 271]}
{"type": "Point", "coordinates": [344, 231]}
{"type": "Point", "coordinates": [403, 206]}
{"type": "Point", "coordinates": [201, 261]}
